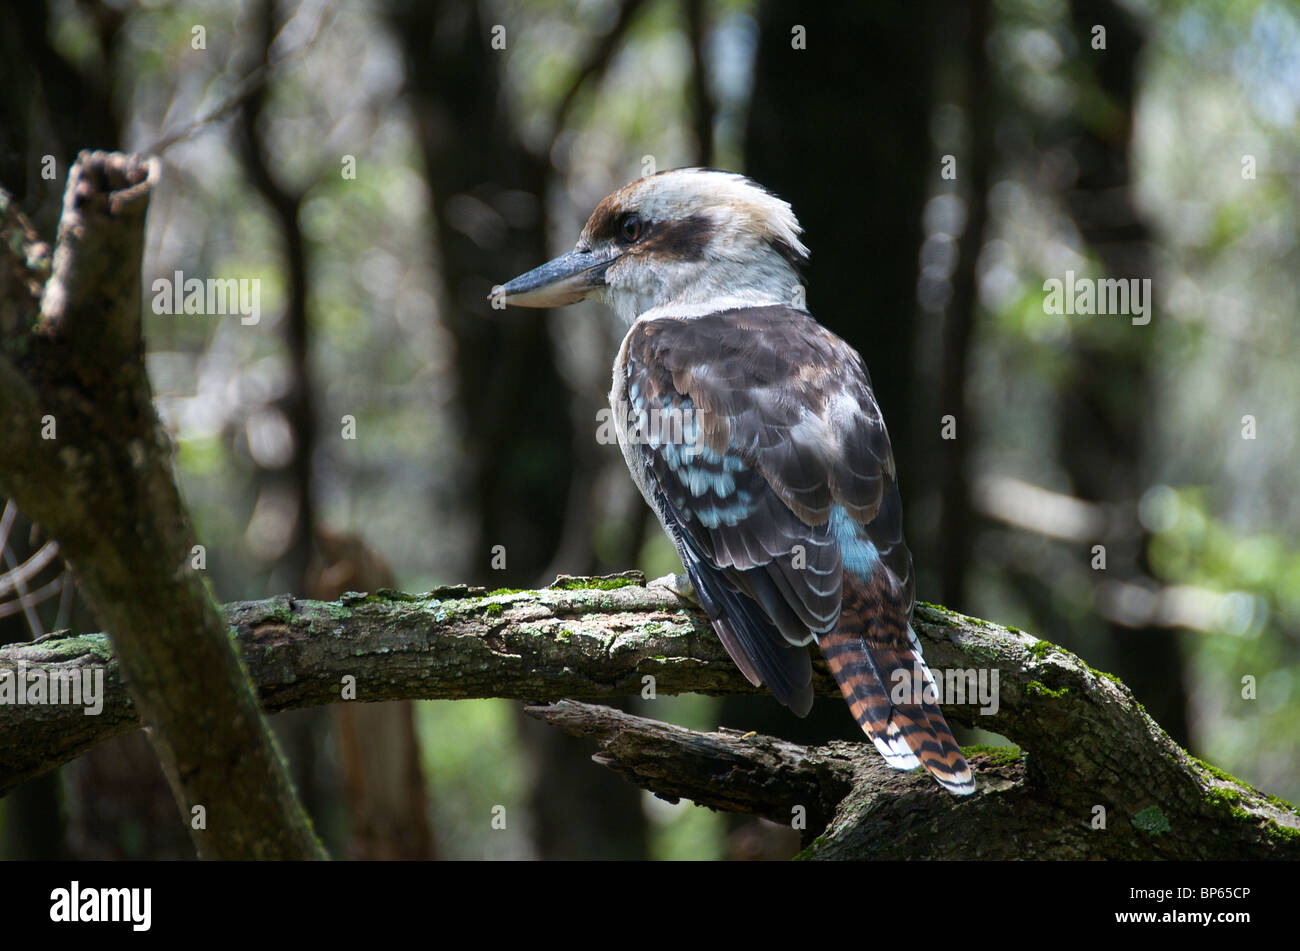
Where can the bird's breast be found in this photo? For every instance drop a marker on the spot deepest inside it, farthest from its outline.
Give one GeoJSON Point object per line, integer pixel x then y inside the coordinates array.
{"type": "Point", "coordinates": [624, 411]}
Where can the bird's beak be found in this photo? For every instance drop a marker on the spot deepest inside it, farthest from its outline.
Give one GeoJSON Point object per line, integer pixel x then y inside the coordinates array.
{"type": "Point", "coordinates": [566, 280]}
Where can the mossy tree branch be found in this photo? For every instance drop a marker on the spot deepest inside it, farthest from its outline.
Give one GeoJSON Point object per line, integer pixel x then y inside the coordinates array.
{"type": "Point", "coordinates": [1085, 741]}
{"type": "Point", "coordinates": [82, 453]}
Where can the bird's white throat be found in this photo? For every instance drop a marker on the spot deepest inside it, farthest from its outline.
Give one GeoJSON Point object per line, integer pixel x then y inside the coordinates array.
{"type": "Point", "coordinates": [706, 286]}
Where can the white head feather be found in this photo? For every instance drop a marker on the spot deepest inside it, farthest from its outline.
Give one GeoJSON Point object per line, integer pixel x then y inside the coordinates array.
{"type": "Point", "coordinates": [711, 240]}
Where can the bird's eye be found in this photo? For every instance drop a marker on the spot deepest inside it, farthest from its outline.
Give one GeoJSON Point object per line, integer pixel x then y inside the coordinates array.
{"type": "Point", "coordinates": [630, 227]}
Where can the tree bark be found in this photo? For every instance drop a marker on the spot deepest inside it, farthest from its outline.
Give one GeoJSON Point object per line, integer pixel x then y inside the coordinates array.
{"type": "Point", "coordinates": [1084, 742]}
{"type": "Point", "coordinates": [84, 455]}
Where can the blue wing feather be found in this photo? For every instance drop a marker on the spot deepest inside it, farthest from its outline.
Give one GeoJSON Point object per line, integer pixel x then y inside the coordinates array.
{"type": "Point", "coordinates": [775, 481]}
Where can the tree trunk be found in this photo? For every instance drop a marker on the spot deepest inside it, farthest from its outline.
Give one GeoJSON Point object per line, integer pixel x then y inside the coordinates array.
{"type": "Point", "coordinates": [86, 457]}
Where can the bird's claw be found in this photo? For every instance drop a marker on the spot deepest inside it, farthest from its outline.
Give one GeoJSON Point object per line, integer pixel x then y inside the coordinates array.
{"type": "Point", "coordinates": [680, 585]}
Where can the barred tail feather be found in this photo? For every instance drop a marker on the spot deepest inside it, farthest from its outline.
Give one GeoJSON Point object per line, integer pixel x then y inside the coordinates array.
{"type": "Point", "coordinates": [875, 656]}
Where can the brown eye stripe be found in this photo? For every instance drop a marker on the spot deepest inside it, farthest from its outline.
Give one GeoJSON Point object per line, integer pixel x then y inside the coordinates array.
{"type": "Point", "coordinates": [603, 224]}
{"type": "Point", "coordinates": [682, 238]}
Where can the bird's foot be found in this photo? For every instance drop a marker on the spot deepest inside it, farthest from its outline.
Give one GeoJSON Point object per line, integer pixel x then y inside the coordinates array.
{"type": "Point", "coordinates": [679, 585]}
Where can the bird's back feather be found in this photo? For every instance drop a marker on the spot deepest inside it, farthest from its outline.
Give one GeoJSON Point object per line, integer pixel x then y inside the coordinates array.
{"type": "Point", "coordinates": [778, 490]}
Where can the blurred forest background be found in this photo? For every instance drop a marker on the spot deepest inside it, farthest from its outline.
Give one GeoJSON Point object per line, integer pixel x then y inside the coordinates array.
{"type": "Point", "coordinates": [481, 135]}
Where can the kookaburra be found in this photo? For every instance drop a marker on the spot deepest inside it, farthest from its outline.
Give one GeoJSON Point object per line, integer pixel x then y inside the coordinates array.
{"type": "Point", "coordinates": [753, 434]}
